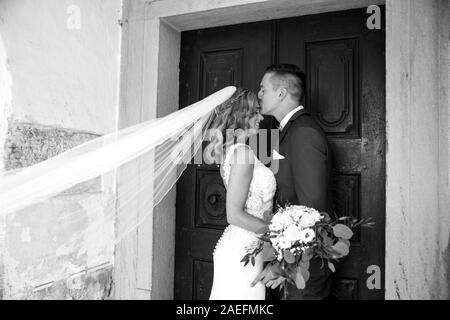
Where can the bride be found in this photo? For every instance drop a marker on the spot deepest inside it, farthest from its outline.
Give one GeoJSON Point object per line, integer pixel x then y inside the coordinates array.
{"type": "Point", "coordinates": [250, 190]}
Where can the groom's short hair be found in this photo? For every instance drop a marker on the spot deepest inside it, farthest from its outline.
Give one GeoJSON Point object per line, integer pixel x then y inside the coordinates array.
{"type": "Point", "coordinates": [289, 76]}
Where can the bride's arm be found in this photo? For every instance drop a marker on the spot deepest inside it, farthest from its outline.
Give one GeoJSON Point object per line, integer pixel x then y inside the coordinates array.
{"type": "Point", "coordinates": [241, 174]}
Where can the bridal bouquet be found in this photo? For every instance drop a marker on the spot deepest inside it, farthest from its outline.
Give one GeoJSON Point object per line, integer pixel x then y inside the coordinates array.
{"type": "Point", "coordinates": [299, 233]}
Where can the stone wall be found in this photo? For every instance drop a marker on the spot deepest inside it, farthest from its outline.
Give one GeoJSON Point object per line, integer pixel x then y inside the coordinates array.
{"type": "Point", "coordinates": [59, 83]}
{"type": "Point", "coordinates": [92, 285]}
{"type": "Point", "coordinates": [417, 159]}
{"type": "Point", "coordinates": [38, 251]}
{"type": "Point", "coordinates": [27, 144]}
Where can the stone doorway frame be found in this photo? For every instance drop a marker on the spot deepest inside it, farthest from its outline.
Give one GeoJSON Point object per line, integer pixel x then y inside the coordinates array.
{"type": "Point", "coordinates": [417, 157]}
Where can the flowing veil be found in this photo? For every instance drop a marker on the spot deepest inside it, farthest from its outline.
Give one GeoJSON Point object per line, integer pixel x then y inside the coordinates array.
{"type": "Point", "coordinates": [83, 227]}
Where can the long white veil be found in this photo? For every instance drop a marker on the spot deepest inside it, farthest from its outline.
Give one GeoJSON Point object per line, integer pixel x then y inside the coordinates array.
{"type": "Point", "coordinates": [85, 226]}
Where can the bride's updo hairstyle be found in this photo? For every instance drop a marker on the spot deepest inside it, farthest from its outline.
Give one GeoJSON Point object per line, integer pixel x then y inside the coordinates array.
{"type": "Point", "coordinates": [228, 120]}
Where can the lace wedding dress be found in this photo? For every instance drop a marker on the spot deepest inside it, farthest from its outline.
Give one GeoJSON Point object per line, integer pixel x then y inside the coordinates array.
{"type": "Point", "coordinates": [231, 279]}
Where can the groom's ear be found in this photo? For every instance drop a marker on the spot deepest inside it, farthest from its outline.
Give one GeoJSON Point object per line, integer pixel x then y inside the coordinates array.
{"type": "Point", "coordinates": [282, 93]}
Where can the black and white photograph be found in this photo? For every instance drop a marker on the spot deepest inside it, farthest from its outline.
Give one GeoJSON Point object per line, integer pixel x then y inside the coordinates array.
{"type": "Point", "coordinates": [242, 151]}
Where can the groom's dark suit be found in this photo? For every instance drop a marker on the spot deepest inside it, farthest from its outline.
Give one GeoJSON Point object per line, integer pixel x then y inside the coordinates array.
{"type": "Point", "coordinates": [303, 179]}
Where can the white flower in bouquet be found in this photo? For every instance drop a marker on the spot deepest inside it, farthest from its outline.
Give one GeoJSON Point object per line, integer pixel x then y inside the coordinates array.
{"type": "Point", "coordinates": [276, 219]}
{"type": "Point", "coordinates": [310, 218]}
{"type": "Point", "coordinates": [293, 233]}
{"type": "Point", "coordinates": [281, 242]}
{"type": "Point", "coordinates": [286, 219]}
{"type": "Point", "coordinates": [275, 227]}
{"type": "Point", "coordinates": [307, 235]}
{"type": "Point", "coordinates": [275, 224]}
{"type": "Point", "coordinates": [294, 213]}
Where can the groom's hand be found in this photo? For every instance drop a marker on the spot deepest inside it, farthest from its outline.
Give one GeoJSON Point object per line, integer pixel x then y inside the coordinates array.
{"type": "Point", "coordinates": [275, 282]}
{"type": "Point", "coordinates": [270, 276]}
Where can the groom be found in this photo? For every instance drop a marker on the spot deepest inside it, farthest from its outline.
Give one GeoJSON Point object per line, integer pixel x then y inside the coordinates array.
{"type": "Point", "coordinates": [304, 172]}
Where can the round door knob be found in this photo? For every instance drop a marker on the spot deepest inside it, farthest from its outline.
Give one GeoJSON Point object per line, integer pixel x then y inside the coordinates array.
{"type": "Point", "coordinates": [212, 199]}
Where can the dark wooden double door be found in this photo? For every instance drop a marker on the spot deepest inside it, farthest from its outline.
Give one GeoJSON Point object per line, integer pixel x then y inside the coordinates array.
{"type": "Point", "coordinates": [345, 67]}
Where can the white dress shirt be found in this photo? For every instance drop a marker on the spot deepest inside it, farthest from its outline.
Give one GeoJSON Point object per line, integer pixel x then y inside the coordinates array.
{"type": "Point", "coordinates": [288, 116]}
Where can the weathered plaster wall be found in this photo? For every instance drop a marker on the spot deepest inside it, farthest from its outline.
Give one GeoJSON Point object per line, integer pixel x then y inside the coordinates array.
{"type": "Point", "coordinates": [46, 242]}
{"type": "Point", "coordinates": [417, 205]}
{"type": "Point", "coordinates": [27, 144]}
{"type": "Point", "coordinates": [93, 285]}
{"type": "Point", "coordinates": [54, 67]}
{"type": "Point", "coordinates": [61, 90]}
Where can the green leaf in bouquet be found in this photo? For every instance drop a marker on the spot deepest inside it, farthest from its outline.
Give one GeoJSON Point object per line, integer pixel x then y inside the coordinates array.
{"type": "Point", "coordinates": [301, 277]}
{"type": "Point", "coordinates": [341, 249]}
{"type": "Point", "coordinates": [246, 259]}
{"type": "Point", "coordinates": [283, 284]}
{"type": "Point", "coordinates": [326, 239]}
{"type": "Point", "coordinates": [342, 231]}
{"type": "Point", "coordinates": [268, 253]}
{"type": "Point", "coordinates": [304, 265]}
{"type": "Point", "coordinates": [347, 242]}
{"type": "Point", "coordinates": [290, 273]}
{"type": "Point", "coordinates": [305, 273]}
{"type": "Point", "coordinates": [299, 281]}
{"type": "Point", "coordinates": [326, 217]}
{"type": "Point", "coordinates": [291, 281]}
{"type": "Point", "coordinates": [289, 257]}
{"type": "Point", "coordinates": [253, 260]}
{"type": "Point", "coordinates": [322, 232]}
{"type": "Point", "coordinates": [331, 266]}
{"type": "Point", "coordinates": [307, 255]}
{"type": "Point", "coordinates": [365, 222]}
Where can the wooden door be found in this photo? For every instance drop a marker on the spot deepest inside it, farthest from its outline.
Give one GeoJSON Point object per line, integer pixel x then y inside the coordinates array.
{"type": "Point", "coordinates": [344, 63]}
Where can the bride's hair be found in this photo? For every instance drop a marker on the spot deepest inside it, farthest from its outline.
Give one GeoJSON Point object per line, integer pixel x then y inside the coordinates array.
{"type": "Point", "coordinates": [227, 120]}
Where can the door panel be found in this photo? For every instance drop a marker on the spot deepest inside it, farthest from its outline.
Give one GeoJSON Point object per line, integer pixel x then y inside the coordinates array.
{"type": "Point", "coordinates": [332, 75]}
{"type": "Point", "coordinates": [215, 57]}
{"type": "Point", "coordinates": [219, 69]}
{"type": "Point", "coordinates": [344, 64]}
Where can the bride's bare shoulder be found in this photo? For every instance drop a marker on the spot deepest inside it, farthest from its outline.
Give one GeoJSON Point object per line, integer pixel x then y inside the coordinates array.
{"type": "Point", "coordinates": [242, 154]}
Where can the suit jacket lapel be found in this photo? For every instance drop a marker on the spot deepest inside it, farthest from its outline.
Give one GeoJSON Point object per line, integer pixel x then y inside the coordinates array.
{"type": "Point", "coordinates": [286, 127]}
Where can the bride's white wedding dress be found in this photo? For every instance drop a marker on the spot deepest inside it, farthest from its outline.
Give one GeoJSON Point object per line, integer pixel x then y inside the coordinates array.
{"type": "Point", "coordinates": [231, 279]}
